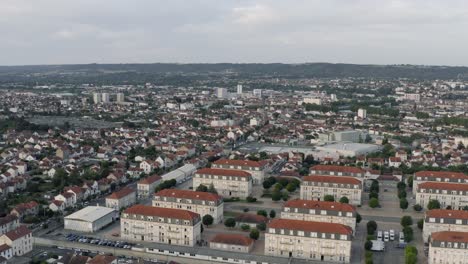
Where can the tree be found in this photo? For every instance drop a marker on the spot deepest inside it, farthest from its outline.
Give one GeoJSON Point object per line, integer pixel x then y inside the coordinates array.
{"type": "Point", "coordinates": [261, 226]}
{"type": "Point", "coordinates": [276, 196]}
{"type": "Point", "coordinates": [329, 198]}
{"type": "Point", "coordinates": [358, 218]}
{"type": "Point", "coordinates": [417, 207]}
{"type": "Point", "coordinates": [202, 188]}
{"type": "Point", "coordinates": [401, 185]}
{"type": "Point", "coordinates": [368, 245]}
{"type": "Point", "coordinates": [207, 220]}
{"type": "Point", "coordinates": [408, 232]}
{"type": "Point", "coordinates": [401, 194]}
{"type": "Point", "coordinates": [371, 227]}
{"type": "Point", "coordinates": [272, 213]}
{"type": "Point", "coordinates": [433, 204]}
{"type": "Point", "coordinates": [344, 200]}
{"type": "Point", "coordinates": [373, 195]}
{"type": "Point", "coordinates": [212, 189]}
{"type": "Point", "coordinates": [406, 221]}
{"type": "Point", "coordinates": [403, 203]}
{"type": "Point", "coordinates": [421, 224]}
{"type": "Point", "coordinates": [262, 212]}
{"type": "Point", "coordinates": [373, 203]}
{"type": "Point", "coordinates": [291, 187]}
{"type": "Point", "coordinates": [254, 234]}
{"type": "Point", "coordinates": [251, 199]}
{"type": "Point", "coordinates": [411, 255]}
{"type": "Point", "coordinates": [374, 186]}
{"type": "Point", "coordinates": [245, 227]}
{"type": "Point", "coordinates": [230, 222]}
{"type": "Point", "coordinates": [410, 181]}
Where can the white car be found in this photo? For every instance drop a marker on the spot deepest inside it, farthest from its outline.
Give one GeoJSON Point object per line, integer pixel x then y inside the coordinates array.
{"type": "Point", "coordinates": [379, 235]}
{"type": "Point", "coordinates": [392, 234]}
{"type": "Point", "coordinates": [401, 238]}
{"type": "Point", "coordinates": [386, 236]}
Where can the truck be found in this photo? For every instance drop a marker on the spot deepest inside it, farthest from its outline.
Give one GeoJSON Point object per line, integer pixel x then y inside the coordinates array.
{"type": "Point", "coordinates": [378, 245]}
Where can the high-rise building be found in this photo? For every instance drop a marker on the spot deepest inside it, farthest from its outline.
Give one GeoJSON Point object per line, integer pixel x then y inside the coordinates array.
{"type": "Point", "coordinates": [221, 92]}
{"type": "Point", "coordinates": [257, 92]}
{"type": "Point", "coordinates": [105, 98]}
{"type": "Point", "coordinates": [97, 98]}
{"type": "Point", "coordinates": [239, 89]}
{"type": "Point", "coordinates": [362, 113]}
{"type": "Point", "coordinates": [120, 98]}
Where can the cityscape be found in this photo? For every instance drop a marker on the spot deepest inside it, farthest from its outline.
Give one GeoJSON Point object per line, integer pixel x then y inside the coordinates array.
{"type": "Point", "coordinates": [245, 163]}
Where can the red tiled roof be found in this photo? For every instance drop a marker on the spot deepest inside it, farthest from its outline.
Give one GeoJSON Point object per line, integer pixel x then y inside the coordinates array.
{"type": "Point", "coordinates": [232, 239]}
{"type": "Point", "coordinates": [443, 186]}
{"type": "Point", "coordinates": [102, 259]}
{"type": "Point", "coordinates": [442, 174]}
{"type": "Point", "coordinates": [251, 218]}
{"type": "Point", "coordinates": [4, 247]}
{"type": "Point", "coordinates": [161, 212]}
{"type": "Point", "coordinates": [150, 180]}
{"type": "Point", "coordinates": [450, 236]}
{"type": "Point", "coordinates": [18, 233]}
{"type": "Point", "coordinates": [311, 226]}
{"type": "Point", "coordinates": [337, 168]}
{"type": "Point", "coordinates": [245, 163]}
{"type": "Point", "coordinates": [186, 194]}
{"type": "Point", "coordinates": [445, 213]}
{"type": "Point", "coordinates": [332, 179]}
{"type": "Point", "coordinates": [224, 172]}
{"type": "Point", "coordinates": [320, 205]}
{"type": "Point", "coordinates": [121, 193]}
{"type": "Point", "coordinates": [8, 219]}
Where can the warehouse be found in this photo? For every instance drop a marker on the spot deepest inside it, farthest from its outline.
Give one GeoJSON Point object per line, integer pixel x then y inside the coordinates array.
{"type": "Point", "coordinates": [90, 219]}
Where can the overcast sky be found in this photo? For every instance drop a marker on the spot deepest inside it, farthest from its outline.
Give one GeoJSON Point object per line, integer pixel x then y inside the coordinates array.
{"type": "Point", "coordinates": [289, 31]}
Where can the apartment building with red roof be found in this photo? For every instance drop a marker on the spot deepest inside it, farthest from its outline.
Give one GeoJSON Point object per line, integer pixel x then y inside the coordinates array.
{"type": "Point", "coordinates": [448, 247]}
{"type": "Point", "coordinates": [123, 198]}
{"type": "Point", "coordinates": [228, 183]}
{"type": "Point", "coordinates": [450, 195]}
{"type": "Point", "coordinates": [438, 176]}
{"type": "Point", "coordinates": [335, 170]}
{"type": "Point", "coordinates": [256, 168]}
{"type": "Point", "coordinates": [232, 242]}
{"type": "Point", "coordinates": [146, 186]}
{"type": "Point", "coordinates": [437, 220]}
{"type": "Point", "coordinates": [316, 187]}
{"type": "Point", "coordinates": [19, 239]}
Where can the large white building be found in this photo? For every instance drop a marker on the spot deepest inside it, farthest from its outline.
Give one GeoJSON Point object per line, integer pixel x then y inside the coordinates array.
{"type": "Point", "coordinates": [335, 170]}
{"type": "Point", "coordinates": [256, 168]}
{"type": "Point", "coordinates": [454, 195]}
{"type": "Point", "coordinates": [316, 187]}
{"type": "Point", "coordinates": [239, 89]}
{"type": "Point", "coordinates": [308, 240]}
{"type": "Point", "coordinates": [437, 220]}
{"type": "Point", "coordinates": [120, 98]}
{"type": "Point", "coordinates": [448, 247]}
{"type": "Point", "coordinates": [228, 183]}
{"type": "Point", "coordinates": [362, 113]}
{"type": "Point", "coordinates": [346, 149]}
{"type": "Point", "coordinates": [8, 223]}
{"type": "Point", "coordinates": [320, 211]}
{"type": "Point", "coordinates": [438, 176]}
{"type": "Point", "coordinates": [202, 203]}
{"type": "Point", "coordinates": [221, 93]}
{"type": "Point", "coordinates": [105, 98]}
{"type": "Point", "coordinates": [20, 240]}
{"type": "Point", "coordinates": [97, 98]}
{"type": "Point", "coordinates": [160, 225]}
{"type": "Point", "coordinates": [90, 219]}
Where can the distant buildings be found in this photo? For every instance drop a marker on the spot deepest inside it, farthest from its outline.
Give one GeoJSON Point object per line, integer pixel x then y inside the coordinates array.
{"type": "Point", "coordinates": [160, 225]}
{"type": "Point", "coordinates": [316, 187]}
{"type": "Point", "coordinates": [105, 98]}
{"type": "Point", "coordinates": [120, 98]}
{"type": "Point", "coordinates": [221, 93]}
{"type": "Point", "coordinates": [97, 98]}
{"type": "Point", "coordinates": [239, 89]}
{"type": "Point", "coordinates": [362, 113]}
{"type": "Point", "coordinates": [147, 185]}
{"type": "Point", "coordinates": [308, 240]}
{"type": "Point", "coordinates": [228, 183]}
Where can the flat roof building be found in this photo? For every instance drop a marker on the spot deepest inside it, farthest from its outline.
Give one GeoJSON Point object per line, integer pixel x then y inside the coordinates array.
{"type": "Point", "coordinates": [90, 219]}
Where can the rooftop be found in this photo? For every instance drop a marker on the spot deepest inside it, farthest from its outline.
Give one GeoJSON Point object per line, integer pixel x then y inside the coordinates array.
{"type": "Point", "coordinates": [310, 226]}
{"type": "Point", "coordinates": [232, 239]}
{"type": "Point", "coordinates": [187, 194]}
{"type": "Point", "coordinates": [320, 205]}
{"type": "Point", "coordinates": [445, 213]}
{"type": "Point", "coordinates": [450, 236]}
{"type": "Point", "coordinates": [332, 179]}
{"type": "Point", "coordinates": [161, 212]}
{"type": "Point", "coordinates": [90, 213]}
{"type": "Point", "coordinates": [224, 172]}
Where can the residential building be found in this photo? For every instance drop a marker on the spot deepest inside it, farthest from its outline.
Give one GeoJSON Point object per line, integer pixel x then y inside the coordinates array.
{"type": "Point", "coordinates": [6, 252]}
{"type": "Point", "coordinates": [251, 220]}
{"type": "Point", "coordinates": [105, 98]}
{"type": "Point", "coordinates": [335, 170]}
{"type": "Point", "coordinates": [316, 187]}
{"type": "Point", "coordinates": [437, 220]}
{"type": "Point", "coordinates": [202, 203]}
{"type": "Point", "coordinates": [320, 211]}
{"type": "Point", "coordinates": [19, 239]}
{"type": "Point", "coordinates": [121, 199]}
{"type": "Point", "coordinates": [447, 247]}
{"type": "Point", "coordinates": [362, 113]}
{"type": "Point", "coordinates": [160, 225]}
{"type": "Point", "coordinates": [228, 183]}
{"type": "Point", "coordinates": [239, 89]}
{"type": "Point", "coordinates": [232, 242]}
{"type": "Point", "coordinates": [308, 240]}
{"type": "Point", "coordinates": [147, 185]}
{"type": "Point", "coordinates": [8, 223]}
{"type": "Point", "coordinates": [448, 194]}
{"type": "Point", "coordinates": [221, 93]}
{"type": "Point", "coordinates": [256, 168]}
{"type": "Point", "coordinates": [120, 98]}
{"type": "Point", "coordinates": [438, 176]}
{"type": "Point", "coordinates": [97, 98]}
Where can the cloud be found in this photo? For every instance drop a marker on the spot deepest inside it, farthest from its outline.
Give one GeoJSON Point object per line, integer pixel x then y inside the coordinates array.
{"type": "Point", "coordinates": [116, 31]}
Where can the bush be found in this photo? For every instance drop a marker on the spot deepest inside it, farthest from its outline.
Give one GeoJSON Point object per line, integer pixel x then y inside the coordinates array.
{"type": "Point", "coordinates": [245, 227]}
{"type": "Point", "coordinates": [262, 212]}
{"type": "Point", "coordinates": [374, 186]}
{"type": "Point", "coordinates": [406, 221]}
{"type": "Point", "coordinates": [417, 207]}
{"type": "Point", "coordinates": [371, 227]}
{"type": "Point", "coordinates": [370, 237]}
{"type": "Point", "coordinates": [401, 186]}
{"type": "Point", "coordinates": [207, 220]}
{"type": "Point", "coordinates": [411, 255]}
{"type": "Point", "coordinates": [344, 199]}
{"type": "Point", "coordinates": [373, 203]}
{"type": "Point", "coordinates": [276, 196]}
{"type": "Point", "coordinates": [261, 226]}
{"type": "Point", "coordinates": [368, 245]}
{"type": "Point", "coordinates": [421, 224]}
{"type": "Point", "coordinates": [251, 199]}
{"type": "Point", "coordinates": [369, 256]}
{"type": "Point", "coordinates": [291, 187]}
{"type": "Point", "coordinates": [230, 222]}
{"type": "Point", "coordinates": [410, 181]}
{"type": "Point", "coordinates": [202, 188]}
{"type": "Point", "coordinates": [269, 182]}
{"type": "Point", "coordinates": [254, 234]}
{"type": "Point", "coordinates": [278, 187]}
{"type": "Point", "coordinates": [433, 204]}
{"type": "Point", "coordinates": [272, 213]}
{"type": "Point", "coordinates": [403, 203]}
{"type": "Point", "coordinates": [329, 198]}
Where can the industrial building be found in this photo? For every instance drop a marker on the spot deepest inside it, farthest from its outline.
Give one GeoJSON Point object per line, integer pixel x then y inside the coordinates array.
{"type": "Point", "coordinates": [90, 219]}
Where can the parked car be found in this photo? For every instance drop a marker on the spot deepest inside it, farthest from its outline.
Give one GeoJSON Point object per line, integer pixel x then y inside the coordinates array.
{"type": "Point", "coordinates": [392, 234]}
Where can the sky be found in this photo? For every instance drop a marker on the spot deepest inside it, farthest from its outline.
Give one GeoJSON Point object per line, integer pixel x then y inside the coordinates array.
{"type": "Point", "coordinates": [424, 32]}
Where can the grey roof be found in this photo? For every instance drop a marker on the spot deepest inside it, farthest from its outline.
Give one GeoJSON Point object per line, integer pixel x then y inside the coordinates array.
{"type": "Point", "coordinates": [91, 213]}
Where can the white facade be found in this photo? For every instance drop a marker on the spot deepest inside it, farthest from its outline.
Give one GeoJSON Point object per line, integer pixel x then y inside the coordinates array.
{"type": "Point", "coordinates": [239, 89]}
{"type": "Point", "coordinates": [120, 98]}
{"type": "Point", "coordinates": [362, 113]}
{"type": "Point", "coordinates": [448, 247]}
{"type": "Point", "coordinates": [317, 187]}
{"type": "Point", "coordinates": [454, 195]}
{"type": "Point", "coordinates": [438, 220]}
{"type": "Point", "coordinates": [221, 93]}
{"type": "Point", "coordinates": [228, 183]}
{"type": "Point", "coordinates": [97, 98]}
{"type": "Point", "coordinates": [105, 98]}
{"type": "Point", "coordinates": [90, 219]}
{"type": "Point", "coordinates": [20, 240]}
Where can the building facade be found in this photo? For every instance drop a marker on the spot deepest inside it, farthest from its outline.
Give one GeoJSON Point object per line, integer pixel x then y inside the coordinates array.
{"type": "Point", "coordinates": [438, 176]}
{"type": "Point", "coordinates": [232, 242]}
{"type": "Point", "coordinates": [437, 220]}
{"type": "Point", "coordinates": [256, 168]}
{"type": "Point", "coordinates": [8, 223]}
{"type": "Point", "coordinates": [146, 186]}
{"type": "Point", "coordinates": [453, 195]}
{"type": "Point", "coordinates": [335, 170]}
{"type": "Point", "coordinates": [447, 247]}
{"type": "Point", "coordinates": [320, 211]}
{"type": "Point", "coordinates": [20, 240]}
{"type": "Point", "coordinates": [308, 240]}
{"type": "Point", "coordinates": [316, 187]}
{"type": "Point", "coordinates": [228, 183]}
{"type": "Point", "coordinates": [90, 219]}
{"type": "Point", "coordinates": [160, 225]}
{"type": "Point", "coordinates": [121, 199]}
{"type": "Point", "coordinates": [202, 203]}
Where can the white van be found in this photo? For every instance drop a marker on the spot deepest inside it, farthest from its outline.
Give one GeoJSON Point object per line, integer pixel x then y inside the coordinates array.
{"type": "Point", "coordinates": [379, 235]}
{"type": "Point", "coordinates": [386, 236]}
{"type": "Point", "coordinates": [392, 234]}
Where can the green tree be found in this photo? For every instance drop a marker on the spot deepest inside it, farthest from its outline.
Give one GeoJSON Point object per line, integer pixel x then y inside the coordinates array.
{"type": "Point", "coordinates": [202, 188]}
{"type": "Point", "coordinates": [371, 227]}
{"type": "Point", "coordinates": [368, 245]}
{"type": "Point", "coordinates": [329, 198]}
{"type": "Point", "coordinates": [358, 218]}
{"type": "Point", "coordinates": [245, 227]}
{"type": "Point", "coordinates": [373, 195]}
{"type": "Point", "coordinates": [410, 181]}
{"type": "Point", "coordinates": [374, 186]}
{"type": "Point", "coordinates": [276, 196]}
{"type": "Point", "coordinates": [403, 203]}
{"type": "Point", "coordinates": [261, 226]}
{"type": "Point", "coordinates": [421, 224]}
{"type": "Point", "coordinates": [272, 213]}
{"type": "Point", "coordinates": [291, 187]}
{"type": "Point", "coordinates": [411, 255]}
{"type": "Point", "coordinates": [344, 200]}
{"type": "Point", "coordinates": [406, 221]}
{"type": "Point", "coordinates": [207, 220]}
{"type": "Point", "coordinates": [230, 222]}
{"type": "Point", "coordinates": [408, 232]}
{"type": "Point", "coordinates": [212, 189]}
{"type": "Point", "coordinates": [373, 203]}
{"type": "Point", "coordinates": [262, 212]}
{"type": "Point", "coordinates": [417, 207]}
{"type": "Point", "coordinates": [254, 234]}
{"type": "Point", "coordinates": [433, 204]}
